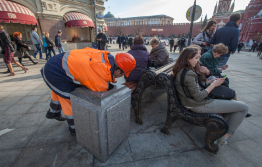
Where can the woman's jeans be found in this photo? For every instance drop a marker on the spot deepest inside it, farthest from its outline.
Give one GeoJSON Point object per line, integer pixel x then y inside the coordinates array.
{"type": "Point", "coordinates": [61, 49]}
{"type": "Point", "coordinates": [49, 52]}
{"type": "Point", "coordinates": [38, 49]}
{"type": "Point", "coordinates": [46, 52]}
{"type": "Point", "coordinates": [234, 111]}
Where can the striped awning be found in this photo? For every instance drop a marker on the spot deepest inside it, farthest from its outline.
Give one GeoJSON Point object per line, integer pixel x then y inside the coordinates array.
{"type": "Point", "coordinates": [106, 28]}
{"type": "Point", "coordinates": [16, 13]}
{"type": "Point", "coordinates": [74, 19]}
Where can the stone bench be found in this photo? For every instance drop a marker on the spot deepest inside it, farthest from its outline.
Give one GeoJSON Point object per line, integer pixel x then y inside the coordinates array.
{"type": "Point", "coordinates": [146, 80]}
{"type": "Point", "coordinates": [215, 124]}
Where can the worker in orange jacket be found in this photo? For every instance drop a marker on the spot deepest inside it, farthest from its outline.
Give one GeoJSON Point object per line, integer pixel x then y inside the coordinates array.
{"type": "Point", "coordinates": [92, 68]}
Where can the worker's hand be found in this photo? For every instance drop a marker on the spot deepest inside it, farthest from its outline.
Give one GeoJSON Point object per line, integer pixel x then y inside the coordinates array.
{"type": "Point", "coordinates": [29, 48]}
{"type": "Point", "coordinates": [204, 43]}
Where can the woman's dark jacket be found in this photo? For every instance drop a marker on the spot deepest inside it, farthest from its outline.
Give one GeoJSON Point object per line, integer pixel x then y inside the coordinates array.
{"type": "Point", "coordinates": [21, 46]}
{"type": "Point", "coordinates": [160, 55]}
{"type": "Point", "coordinates": [49, 42]}
{"type": "Point", "coordinates": [208, 60]}
{"type": "Point", "coordinates": [6, 41]}
{"type": "Point", "coordinates": [130, 41]}
{"type": "Point", "coordinates": [143, 61]}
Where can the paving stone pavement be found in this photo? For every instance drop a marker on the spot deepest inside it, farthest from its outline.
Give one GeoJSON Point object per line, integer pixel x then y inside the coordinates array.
{"type": "Point", "coordinates": [37, 141]}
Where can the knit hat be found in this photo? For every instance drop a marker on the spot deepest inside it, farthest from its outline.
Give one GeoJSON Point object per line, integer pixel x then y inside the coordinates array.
{"type": "Point", "coordinates": [99, 29]}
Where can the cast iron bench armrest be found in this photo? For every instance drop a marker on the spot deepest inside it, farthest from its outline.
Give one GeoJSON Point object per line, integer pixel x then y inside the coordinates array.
{"type": "Point", "coordinates": [146, 80]}
{"type": "Point", "coordinates": [215, 124]}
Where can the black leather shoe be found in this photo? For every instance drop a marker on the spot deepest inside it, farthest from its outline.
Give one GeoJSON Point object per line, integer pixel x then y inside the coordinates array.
{"type": "Point", "coordinates": [56, 116]}
{"type": "Point", "coordinates": [248, 115]}
{"type": "Point", "coordinates": [35, 63]}
{"type": "Point", "coordinates": [72, 131]}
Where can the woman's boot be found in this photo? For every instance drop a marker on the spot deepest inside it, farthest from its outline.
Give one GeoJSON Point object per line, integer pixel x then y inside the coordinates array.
{"type": "Point", "coordinates": [20, 61]}
{"type": "Point", "coordinates": [32, 60]}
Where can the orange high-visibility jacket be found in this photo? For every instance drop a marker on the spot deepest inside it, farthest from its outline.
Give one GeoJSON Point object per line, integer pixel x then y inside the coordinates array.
{"type": "Point", "coordinates": [88, 67]}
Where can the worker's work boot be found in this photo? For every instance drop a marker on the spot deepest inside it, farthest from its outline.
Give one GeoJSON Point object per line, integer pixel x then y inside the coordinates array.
{"type": "Point", "coordinates": [57, 116]}
{"type": "Point", "coordinates": [72, 131]}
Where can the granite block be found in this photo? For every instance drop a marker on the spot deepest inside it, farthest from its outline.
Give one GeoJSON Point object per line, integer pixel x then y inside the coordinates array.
{"type": "Point", "coordinates": [7, 157]}
{"type": "Point", "coordinates": [101, 119]}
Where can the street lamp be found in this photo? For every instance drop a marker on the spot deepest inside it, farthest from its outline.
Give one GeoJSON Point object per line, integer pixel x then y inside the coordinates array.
{"type": "Point", "coordinates": [192, 23]}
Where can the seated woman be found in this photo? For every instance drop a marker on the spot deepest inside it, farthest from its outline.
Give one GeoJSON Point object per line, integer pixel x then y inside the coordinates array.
{"type": "Point", "coordinates": [209, 59]}
{"type": "Point", "coordinates": [159, 53]}
{"type": "Point", "coordinates": [22, 48]}
{"type": "Point", "coordinates": [193, 96]}
{"type": "Point", "coordinates": [142, 57]}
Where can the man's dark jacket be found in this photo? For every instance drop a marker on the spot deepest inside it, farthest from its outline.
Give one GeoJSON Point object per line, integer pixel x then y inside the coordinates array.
{"type": "Point", "coordinates": [102, 43]}
{"type": "Point", "coordinates": [123, 39]}
{"type": "Point", "coordinates": [58, 42]}
{"type": "Point", "coordinates": [228, 35]}
{"type": "Point", "coordinates": [118, 39]}
{"type": "Point", "coordinates": [143, 60]}
{"type": "Point", "coordinates": [171, 42]}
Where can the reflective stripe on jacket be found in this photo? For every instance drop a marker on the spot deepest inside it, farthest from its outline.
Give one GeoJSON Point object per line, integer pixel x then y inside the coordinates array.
{"type": "Point", "coordinates": [63, 73]}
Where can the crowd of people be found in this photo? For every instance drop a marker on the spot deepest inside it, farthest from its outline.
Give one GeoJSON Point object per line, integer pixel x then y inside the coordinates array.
{"type": "Point", "coordinates": [17, 45]}
{"type": "Point", "coordinates": [199, 66]}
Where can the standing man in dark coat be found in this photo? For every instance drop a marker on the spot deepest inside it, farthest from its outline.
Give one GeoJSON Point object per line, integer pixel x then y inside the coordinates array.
{"type": "Point", "coordinates": [254, 46]}
{"type": "Point", "coordinates": [171, 43]}
{"type": "Point", "coordinates": [182, 43]}
{"type": "Point", "coordinates": [228, 35]}
{"type": "Point", "coordinates": [130, 42]}
{"type": "Point", "coordinates": [119, 41]}
{"type": "Point", "coordinates": [123, 40]}
{"type": "Point", "coordinates": [110, 39]}
{"type": "Point", "coordinates": [240, 46]}
{"type": "Point", "coordinates": [101, 39]}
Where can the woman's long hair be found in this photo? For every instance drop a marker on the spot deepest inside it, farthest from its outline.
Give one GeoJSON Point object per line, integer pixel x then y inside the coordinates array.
{"type": "Point", "coordinates": [209, 24]}
{"type": "Point", "coordinates": [182, 61]}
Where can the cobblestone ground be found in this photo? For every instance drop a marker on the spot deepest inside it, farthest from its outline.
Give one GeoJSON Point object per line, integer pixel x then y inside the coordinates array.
{"type": "Point", "coordinates": [37, 141]}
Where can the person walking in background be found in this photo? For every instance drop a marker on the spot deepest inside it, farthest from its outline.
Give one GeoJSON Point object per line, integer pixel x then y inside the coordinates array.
{"type": "Point", "coordinates": [228, 35]}
{"type": "Point", "coordinates": [130, 42]}
{"type": "Point", "coordinates": [2, 52]}
{"type": "Point", "coordinates": [159, 53]}
{"type": "Point", "coordinates": [204, 37]}
{"type": "Point", "coordinates": [110, 39]}
{"type": "Point", "coordinates": [254, 46]}
{"type": "Point", "coordinates": [58, 42]}
{"type": "Point", "coordinates": [126, 44]}
{"type": "Point", "coordinates": [182, 43]}
{"type": "Point", "coordinates": [171, 43]}
{"type": "Point", "coordinates": [259, 49]}
{"type": "Point", "coordinates": [8, 48]}
{"type": "Point", "coordinates": [50, 46]}
{"type": "Point", "coordinates": [175, 44]}
{"type": "Point", "coordinates": [45, 45]}
{"type": "Point", "coordinates": [101, 39]}
{"type": "Point", "coordinates": [37, 42]}
{"type": "Point", "coordinates": [119, 41]}
{"type": "Point", "coordinates": [142, 57]}
{"type": "Point", "coordinates": [240, 46]}
{"type": "Point", "coordinates": [22, 48]}
{"type": "Point", "coordinates": [123, 41]}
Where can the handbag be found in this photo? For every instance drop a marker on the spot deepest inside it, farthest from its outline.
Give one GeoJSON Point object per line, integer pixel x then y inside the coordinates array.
{"type": "Point", "coordinates": [220, 92]}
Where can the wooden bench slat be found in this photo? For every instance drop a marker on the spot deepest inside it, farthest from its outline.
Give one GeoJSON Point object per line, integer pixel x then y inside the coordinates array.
{"type": "Point", "coordinates": [170, 65]}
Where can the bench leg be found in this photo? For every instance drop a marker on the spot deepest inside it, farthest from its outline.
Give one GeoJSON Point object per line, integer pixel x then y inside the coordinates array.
{"type": "Point", "coordinates": [147, 79]}
{"type": "Point", "coordinates": [216, 128]}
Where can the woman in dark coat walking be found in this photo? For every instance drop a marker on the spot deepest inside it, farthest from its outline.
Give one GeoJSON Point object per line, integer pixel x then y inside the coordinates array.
{"type": "Point", "coordinates": [9, 50]}
{"type": "Point", "coordinates": [50, 46]}
{"type": "Point", "coordinates": [142, 57]}
{"type": "Point", "coordinates": [22, 48]}
{"type": "Point", "coordinates": [130, 42]}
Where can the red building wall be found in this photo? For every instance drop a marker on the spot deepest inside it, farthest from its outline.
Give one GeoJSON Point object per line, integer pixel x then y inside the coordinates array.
{"type": "Point", "coordinates": [251, 26]}
{"type": "Point", "coordinates": [167, 29]}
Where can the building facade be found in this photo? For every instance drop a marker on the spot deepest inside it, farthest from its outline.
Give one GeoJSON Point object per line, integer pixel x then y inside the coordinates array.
{"type": "Point", "coordinates": [222, 12]}
{"type": "Point", "coordinates": [160, 25]}
{"type": "Point", "coordinates": [251, 22]}
{"type": "Point", "coordinates": [75, 18]}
